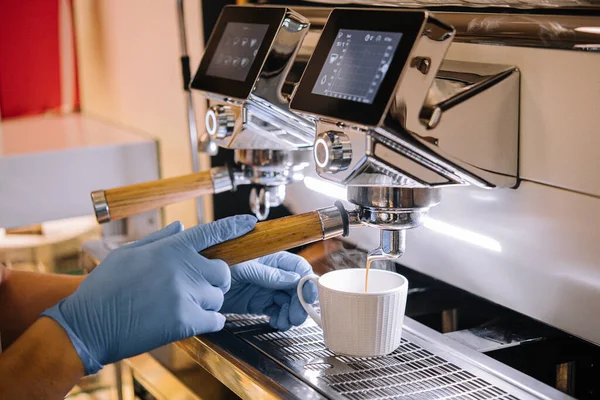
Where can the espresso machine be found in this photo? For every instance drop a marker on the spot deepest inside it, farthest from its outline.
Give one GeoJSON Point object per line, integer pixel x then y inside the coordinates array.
{"type": "Point", "coordinates": [453, 122]}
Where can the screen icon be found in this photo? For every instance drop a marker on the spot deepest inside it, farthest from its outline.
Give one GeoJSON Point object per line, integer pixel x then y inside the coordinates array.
{"type": "Point", "coordinates": [244, 41]}
{"type": "Point", "coordinates": [253, 42]}
{"type": "Point", "coordinates": [227, 61]}
{"type": "Point", "coordinates": [244, 62]}
{"type": "Point", "coordinates": [323, 79]}
{"type": "Point", "coordinates": [236, 41]}
{"type": "Point", "coordinates": [235, 62]}
{"type": "Point", "coordinates": [333, 57]}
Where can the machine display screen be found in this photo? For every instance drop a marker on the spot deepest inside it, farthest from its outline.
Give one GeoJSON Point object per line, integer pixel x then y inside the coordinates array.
{"type": "Point", "coordinates": [357, 64]}
{"type": "Point", "coordinates": [237, 50]}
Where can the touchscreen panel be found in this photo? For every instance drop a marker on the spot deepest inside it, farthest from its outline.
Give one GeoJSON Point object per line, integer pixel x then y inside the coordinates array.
{"type": "Point", "coordinates": [356, 64]}
{"type": "Point", "coordinates": [237, 50]}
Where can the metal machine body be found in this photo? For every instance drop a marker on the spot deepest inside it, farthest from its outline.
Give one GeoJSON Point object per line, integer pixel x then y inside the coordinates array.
{"type": "Point", "coordinates": [271, 144]}
{"type": "Point", "coordinates": [421, 125]}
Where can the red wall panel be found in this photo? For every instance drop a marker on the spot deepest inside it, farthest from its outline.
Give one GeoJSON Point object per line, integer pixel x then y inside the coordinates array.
{"type": "Point", "coordinates": [29, 57]}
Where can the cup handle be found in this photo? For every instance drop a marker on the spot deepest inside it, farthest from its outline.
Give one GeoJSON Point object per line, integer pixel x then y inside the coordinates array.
{"type": "Point", "coordinates": [309, 309]}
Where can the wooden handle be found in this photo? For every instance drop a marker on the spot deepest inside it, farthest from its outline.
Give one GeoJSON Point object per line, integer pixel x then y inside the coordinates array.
{"type": "Point", "coordinates": [269, 237]}
{"type": "Point", "coordinates": [134, 199]}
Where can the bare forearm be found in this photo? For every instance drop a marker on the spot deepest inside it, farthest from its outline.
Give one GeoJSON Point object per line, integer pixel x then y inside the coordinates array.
{"type": "Point", "coordinates": [24, 295]}
{"type": "Point", "coordinates": [41, 364]}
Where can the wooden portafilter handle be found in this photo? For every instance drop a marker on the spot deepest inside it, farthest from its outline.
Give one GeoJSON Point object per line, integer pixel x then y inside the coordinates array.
{"type": "Point", "coordinates": [283, 234]}
{"type": "Point", "coordinates": [125, 201]}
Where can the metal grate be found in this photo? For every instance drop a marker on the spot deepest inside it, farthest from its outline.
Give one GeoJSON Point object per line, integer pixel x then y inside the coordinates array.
{"type": "Point", "coordinates": [245, 320]}
{"type": "Point", "coordinates": [409, 372]}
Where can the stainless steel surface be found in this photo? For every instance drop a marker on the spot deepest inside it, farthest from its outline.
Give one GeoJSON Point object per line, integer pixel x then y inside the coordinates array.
{"type": "Point", "coordinates": [558, 30]}
{"type": "Point", "coordinates": [100, 206]}
{"type": "Point", "coordinates": [261, 200]}
{"type": "Point", "coordinates": [473, 141]}
{"type": "Point", "coordinates": [221, 178]}
{"type": "Point", "coordinates": [524, 4]}
{"type": "Point", "coordinates": [331, 221]}
{"type": "Point", "coordinates": [425, 366]}
{"type": "Point", "coordinates": [393, 198]}
{"type": "Point", "coordinates": [332, 151]}
{"type": "Point", "coordinates": [487, 339]}
{"type": "Point", "coordinates": [468, 125]}
{"type": "Point", "coordinates": [392, 208]}
{"type": "Point", "coordinates": [245, 370]}
{"type": "Point", "coordinates": [220, 121]}
{"type": "Point", "coordinates": [275, 159]}
{"type": "Point", "coordinates": [391, 245]}
{"type": "Point", "coordinates": [272, 169]}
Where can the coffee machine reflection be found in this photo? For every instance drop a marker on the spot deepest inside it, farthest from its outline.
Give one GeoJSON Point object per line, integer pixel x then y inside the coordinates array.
{"type": "Point", "coordinates": [252, 62]}
{"type": "Point", "coordinates": [398, 127]}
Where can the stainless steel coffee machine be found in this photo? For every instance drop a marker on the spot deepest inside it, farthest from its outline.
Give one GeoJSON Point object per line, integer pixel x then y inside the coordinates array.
{"type": "Point", "coordinates": [401, 106]}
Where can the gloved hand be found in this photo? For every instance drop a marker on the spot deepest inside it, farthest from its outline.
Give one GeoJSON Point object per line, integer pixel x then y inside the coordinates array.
{"type": "Point", "coordinates": [268, 286]}
{"type": "Point", "coordinates": [150, 293]}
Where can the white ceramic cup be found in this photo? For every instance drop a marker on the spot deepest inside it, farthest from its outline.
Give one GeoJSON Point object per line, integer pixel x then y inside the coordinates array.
{"type": "Point", "coordinates": [356, 323]}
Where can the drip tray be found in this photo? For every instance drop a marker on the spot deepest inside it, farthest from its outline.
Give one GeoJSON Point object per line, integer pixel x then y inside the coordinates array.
{"type": "Point", "coordinates": [427, 365]}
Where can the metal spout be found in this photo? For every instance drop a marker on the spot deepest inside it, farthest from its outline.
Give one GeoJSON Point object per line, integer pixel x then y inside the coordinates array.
{"type": "Point", "coordinates": [391, 245]}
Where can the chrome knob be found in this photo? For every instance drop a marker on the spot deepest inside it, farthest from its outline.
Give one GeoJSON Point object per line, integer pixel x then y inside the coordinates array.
{"type": "Point", "coordinates": [220, 121]}
{"type": "Point", "coordinates": [333, 151]}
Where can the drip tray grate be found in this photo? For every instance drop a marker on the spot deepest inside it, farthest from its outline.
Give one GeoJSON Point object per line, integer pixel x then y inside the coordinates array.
{"type": "Point", "coordinates": [411, 371]}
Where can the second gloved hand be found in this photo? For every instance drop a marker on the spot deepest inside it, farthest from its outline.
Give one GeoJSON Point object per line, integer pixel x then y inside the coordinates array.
{"type": "Point", "coordinates": [150, 293]}
{"type": "Point", "coordinates": [267, 286]}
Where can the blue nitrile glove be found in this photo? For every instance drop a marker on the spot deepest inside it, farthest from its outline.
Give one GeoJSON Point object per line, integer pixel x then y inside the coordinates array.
{"type": "Point", "coordinates": [268, 286]}
{"type": "Point", "coordinates": [150, 293]}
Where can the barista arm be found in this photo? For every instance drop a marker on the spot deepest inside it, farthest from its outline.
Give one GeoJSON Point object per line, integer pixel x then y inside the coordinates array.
{"type": "Point", "coordinates": [24, 295]}
{"type": "Point", "coordinates": [41, 364]}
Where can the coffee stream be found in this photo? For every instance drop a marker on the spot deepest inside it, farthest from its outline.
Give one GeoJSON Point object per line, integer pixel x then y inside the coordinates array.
{"type": "Point", "coordinates": [353, 258]}
{"type": "Point", "coordinates": [369, 261]}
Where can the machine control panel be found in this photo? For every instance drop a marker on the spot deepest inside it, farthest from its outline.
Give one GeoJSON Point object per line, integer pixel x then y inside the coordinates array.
{"type": "Point", "coordinates": [237, 50]}
{"type": "Point", "coordinates": [357, 64]}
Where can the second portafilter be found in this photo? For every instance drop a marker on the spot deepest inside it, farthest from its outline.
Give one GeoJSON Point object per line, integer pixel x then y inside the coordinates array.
{"type": "Point", "coordinates": [392, 210]}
